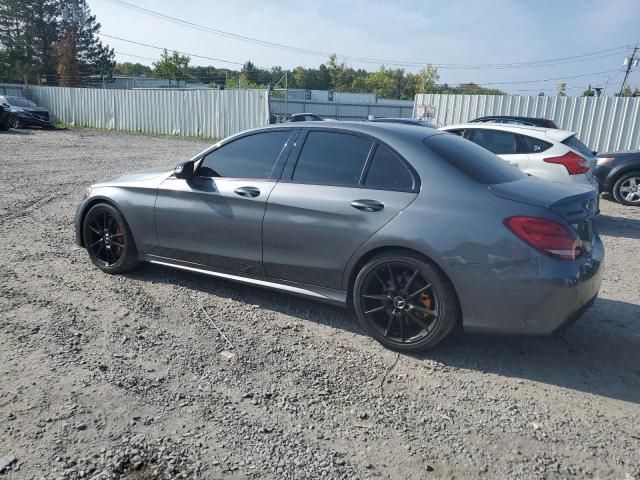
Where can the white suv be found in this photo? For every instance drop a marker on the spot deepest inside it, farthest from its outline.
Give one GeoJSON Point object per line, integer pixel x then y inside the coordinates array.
{"type": "Point", "coordinates": [548, 153]}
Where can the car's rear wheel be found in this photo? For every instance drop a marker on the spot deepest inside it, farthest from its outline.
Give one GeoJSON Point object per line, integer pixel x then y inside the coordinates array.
{"type": "Point", "coordinates": [626, 190]}
{"type": "Point", "coordinates": [108, 239]}
{"type": "Point", "coordinates": [14, 122]}
{"type": "Point", "coordinates": [404, 302]}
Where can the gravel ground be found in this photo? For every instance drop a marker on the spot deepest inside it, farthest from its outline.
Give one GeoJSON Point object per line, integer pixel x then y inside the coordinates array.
{"type": "Point", "coordinates": [126, 377]}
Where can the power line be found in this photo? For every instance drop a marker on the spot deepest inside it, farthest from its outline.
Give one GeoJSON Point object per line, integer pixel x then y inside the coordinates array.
{"type": "Point", "coordinates": [291, 48]}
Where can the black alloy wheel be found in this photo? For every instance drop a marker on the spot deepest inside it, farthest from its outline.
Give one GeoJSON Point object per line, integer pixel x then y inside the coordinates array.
{"type": "Point", "coordinates": [404, 302]}
{"type": "Point", "coordinates": [108, 240]}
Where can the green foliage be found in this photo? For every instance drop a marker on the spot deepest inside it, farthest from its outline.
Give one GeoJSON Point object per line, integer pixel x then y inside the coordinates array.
{"type": "Point", "coordinates": [132, 69]}
{"type": "Point", "coordinates": [589, 92]}
{"type": "Point", "coordinates": [627, 92]}
{"type": "Point", "coordinates": [40, 38]}
{"type": "Point", "coordinates": [172, 67]}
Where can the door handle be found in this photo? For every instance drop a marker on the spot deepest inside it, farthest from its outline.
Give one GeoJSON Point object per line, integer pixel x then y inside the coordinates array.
{"type": "Point", "coordinates": [367, 205]}
{"type": "Point", "coordinates": [248, 192]}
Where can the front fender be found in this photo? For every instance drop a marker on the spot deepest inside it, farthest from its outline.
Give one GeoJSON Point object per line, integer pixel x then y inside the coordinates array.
{"type": "Point", "coordinates": [135, 203]}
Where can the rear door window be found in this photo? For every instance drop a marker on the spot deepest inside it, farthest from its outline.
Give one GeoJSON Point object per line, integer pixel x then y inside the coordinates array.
{"type": "Point", "coordinates": [331, 158]}
{"type": "Point", "coordinates": [388, 172]}
{"type": "Point", "coordinates": [496, 141]}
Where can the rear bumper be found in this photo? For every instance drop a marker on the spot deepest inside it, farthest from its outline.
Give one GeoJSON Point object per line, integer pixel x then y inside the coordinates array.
{"type": "Point", "coordinates": [532, 297]}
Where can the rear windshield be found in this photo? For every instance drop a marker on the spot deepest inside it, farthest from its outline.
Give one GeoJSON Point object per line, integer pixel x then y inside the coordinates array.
{"type": "Point", "coordinates": [578, 146]}
{"type": "Point", "coordinates": [473, 160]}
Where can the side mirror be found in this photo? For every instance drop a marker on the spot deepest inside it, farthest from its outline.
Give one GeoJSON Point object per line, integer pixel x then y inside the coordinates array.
{"type": "Point", "coordinates": [184, 170]}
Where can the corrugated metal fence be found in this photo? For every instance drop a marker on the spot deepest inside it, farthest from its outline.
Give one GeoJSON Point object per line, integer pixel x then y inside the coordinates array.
{"type": "Point", "coordinates": [203, 113]}
{"type": "Point", "coordinates": [603, 123]}
{"type": "Point", "coordinates": [343, 111]}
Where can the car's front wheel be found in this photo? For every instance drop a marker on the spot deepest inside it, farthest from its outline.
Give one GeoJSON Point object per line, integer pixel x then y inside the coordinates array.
{"type": "Point", "coordinates": [15, 122]}
{"type": "Point", "coordinates": [108, 239]}
{"type": "Point", "coordinates": [626, 190]}
{"type": "Point", "coordinates": [404, 302]}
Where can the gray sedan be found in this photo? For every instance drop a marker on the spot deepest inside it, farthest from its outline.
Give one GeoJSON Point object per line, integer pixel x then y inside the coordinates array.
{"type": "Point", "coordinates": [415, 229]}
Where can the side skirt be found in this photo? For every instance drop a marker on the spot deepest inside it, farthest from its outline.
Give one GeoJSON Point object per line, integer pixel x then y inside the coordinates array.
{"type": "Point", "coordinates": [323, 294]}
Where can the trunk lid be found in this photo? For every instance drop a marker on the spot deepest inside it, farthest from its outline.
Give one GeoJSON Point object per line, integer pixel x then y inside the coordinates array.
{"type": "Point", "coordinates": [577, 204]}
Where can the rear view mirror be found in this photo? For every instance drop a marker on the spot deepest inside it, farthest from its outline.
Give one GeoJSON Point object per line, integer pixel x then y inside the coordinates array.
{"type": "Point", "coordinates": [184, 170]}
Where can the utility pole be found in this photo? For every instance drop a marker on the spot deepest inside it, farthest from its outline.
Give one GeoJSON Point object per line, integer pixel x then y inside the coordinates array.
{"type": "Point", "coordinates": [629, 63]}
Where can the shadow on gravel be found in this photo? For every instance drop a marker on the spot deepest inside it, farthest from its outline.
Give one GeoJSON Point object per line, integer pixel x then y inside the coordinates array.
{"type": "Point", "coordinates": [599, 354]}
{"type": "Point", "coordinates": [16, 132]}
{"type": "Point", "coordinates": [619, 226]}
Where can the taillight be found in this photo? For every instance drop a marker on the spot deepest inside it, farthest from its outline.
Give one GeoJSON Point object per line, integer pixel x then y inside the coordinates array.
{"type": "Point", "coordinates": [573, 162]}
{"type": "Point", "coordinates": [546, 236]}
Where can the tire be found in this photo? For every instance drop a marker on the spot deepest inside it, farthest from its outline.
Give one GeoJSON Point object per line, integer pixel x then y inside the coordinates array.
{"type": "Point", "coordinates": [404, 302]}
{"type": "Point", "coordinates": [626, 190]}
{"type": "Point", "coordinates": [14, 122]}
{"type": "Point", "coordinates": [108, 239]}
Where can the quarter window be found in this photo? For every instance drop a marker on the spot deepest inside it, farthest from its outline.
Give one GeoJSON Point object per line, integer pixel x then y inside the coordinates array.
{"type": "Point", "coordinates": [330, 158]}
{"type": "Point", "coordinates": [253, 156]}
{"type": "Point", "coordinates": [388, 172]}
{"type": "Point", "coordinates": [535, 145]}
{"type": "Point", "coordinates": [500, 143]}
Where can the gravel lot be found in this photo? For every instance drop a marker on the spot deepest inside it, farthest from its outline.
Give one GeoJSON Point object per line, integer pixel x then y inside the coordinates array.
{"type": "Point", "coordinates": [125, 376]}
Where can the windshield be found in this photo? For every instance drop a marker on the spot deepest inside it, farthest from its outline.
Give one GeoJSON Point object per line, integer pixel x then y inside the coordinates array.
{"type": "Point", "coordinates": [473, 160]}
{"type": "Point", "coordinates": [20, 102]}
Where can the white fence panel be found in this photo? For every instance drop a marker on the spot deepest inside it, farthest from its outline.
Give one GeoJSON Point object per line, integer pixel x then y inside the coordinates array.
{"type": "Point", "coordinates": [603, 123]}
{"type": "Point", "coordinates": [202, 113]}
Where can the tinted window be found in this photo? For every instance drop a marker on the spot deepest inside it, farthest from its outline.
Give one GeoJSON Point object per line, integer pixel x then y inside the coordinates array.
{"type": "Point", "coordinates": [248, 157]}
{"type": "Point", "coordinates": [388, 172]}
{"type": "Point", "coordinates": [535, 145]}
{"type": "Point", "coordinates": [329, 158]}
{"type": "Point", "coordinates": [457, 131]}
{"type": "Point", "coordinates": [473, 160]}
{"type": "Point", "coordinates": [500, 143]}
{"type": "Point", "coordinates": [578, 146]}
{"type": "Point", "coordinates": [20, 102]}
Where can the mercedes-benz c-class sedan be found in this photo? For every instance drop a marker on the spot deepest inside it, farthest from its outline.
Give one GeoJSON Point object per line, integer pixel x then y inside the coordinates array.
{"type": "Point", "coordinates": [416, 229]}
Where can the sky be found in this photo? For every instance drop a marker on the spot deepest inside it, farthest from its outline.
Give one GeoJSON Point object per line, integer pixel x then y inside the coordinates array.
{"type": "Point", "coordinates": [467, 39]}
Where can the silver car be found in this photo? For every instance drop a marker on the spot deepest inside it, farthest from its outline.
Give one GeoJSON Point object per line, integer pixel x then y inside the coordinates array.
{"type": "Point", "coordinates": [416, 229]}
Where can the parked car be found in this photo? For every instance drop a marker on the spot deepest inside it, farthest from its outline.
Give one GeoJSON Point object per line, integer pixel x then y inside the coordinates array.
{"type": "Point", "coordinates": [414, 228]}
{"type": "Point", "coordinates": [528, 121]}
{"type": "Point", "coordinates": [305, 117]}
{"type": "Point", "coordinates": [4, 116]}
{"type": "Point", "coordinates": [405, 121]}
{"type": "Point", "coordinates": [551, 154]}
{"type": "Point", "coordinates": [25, 113]}
{"type": "Point", "coordinates": [618, 174]}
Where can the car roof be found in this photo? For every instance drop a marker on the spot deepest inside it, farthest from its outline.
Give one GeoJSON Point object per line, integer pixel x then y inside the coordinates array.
{"type": "Point", "coordinates": [515, 117]}
{"type": "Point", "coordinates": [540, 132]}
{"type": "Point", "coordinates": [384, 131]}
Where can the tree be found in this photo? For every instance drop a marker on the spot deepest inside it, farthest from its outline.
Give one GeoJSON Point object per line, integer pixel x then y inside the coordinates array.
{"type": "Point", "coordinates": [589, 92]}
{"type": "Point", "coordinates": [28, 32]}
{"type": "Point", "coordinates": [427, 79]}
{"type": "Point", "coordinates": [172, 67]}
{"type": "Point", "coordinates": [132, 69]}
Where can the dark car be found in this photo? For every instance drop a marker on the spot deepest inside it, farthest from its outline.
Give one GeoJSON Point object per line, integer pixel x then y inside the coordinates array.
{"type": "Point", "coordinates": [415, 229]}
{"type": "Point", "coordinates": [25, 113]}
{"type": "Point", "coordinates": [305, 117]}
{"type": "Point", "coordinates": [405, 121]}
{"type": "Point", "coordinates": [529, 121]}
{"type": "Point", "coordinates": [4, 117]}
{"type": "Point", "coordinates": [618, 174]}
